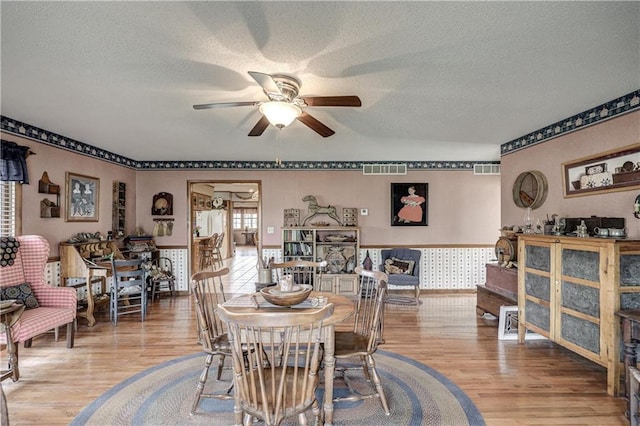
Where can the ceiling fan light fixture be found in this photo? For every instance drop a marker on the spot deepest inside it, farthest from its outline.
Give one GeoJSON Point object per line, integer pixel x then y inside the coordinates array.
{"type": "Point", "coordinates": [280, 113]}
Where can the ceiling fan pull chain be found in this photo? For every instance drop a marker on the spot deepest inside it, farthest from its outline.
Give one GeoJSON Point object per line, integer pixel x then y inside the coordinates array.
{"type": "Point", "coordinates": [278, 146]}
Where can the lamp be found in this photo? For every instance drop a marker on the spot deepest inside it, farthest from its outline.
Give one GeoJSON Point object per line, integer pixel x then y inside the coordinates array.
{"type": "Point", "coordinates": [280, 113]}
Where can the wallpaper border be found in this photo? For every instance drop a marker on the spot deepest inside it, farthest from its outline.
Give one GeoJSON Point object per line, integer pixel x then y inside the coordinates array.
{"type": "Point", "coordinates": [19, 128]}
{"type": "Point", "coordinates": [598, 114]}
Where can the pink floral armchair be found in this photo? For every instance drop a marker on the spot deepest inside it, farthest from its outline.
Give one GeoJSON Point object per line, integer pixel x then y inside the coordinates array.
{"type": "Point", "coordinates": [56, 305]}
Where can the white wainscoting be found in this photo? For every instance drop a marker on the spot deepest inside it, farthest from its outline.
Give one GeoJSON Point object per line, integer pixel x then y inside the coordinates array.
{"type": "Point", "coordinates": [440, 268]}
{"type": "Point", "coordinates": [446, 268]}
{"type": "Point", "coordinates": [179, 258]}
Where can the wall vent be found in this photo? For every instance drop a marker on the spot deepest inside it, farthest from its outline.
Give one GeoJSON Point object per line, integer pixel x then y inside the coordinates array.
{"type": "Point", "coordinates": [384, 169]}
{"type": "Point", "coordinates": [486, 169]}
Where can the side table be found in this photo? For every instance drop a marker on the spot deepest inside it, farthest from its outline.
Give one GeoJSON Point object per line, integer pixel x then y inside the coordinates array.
{"type": "Point", "coordinates": [9, 316]}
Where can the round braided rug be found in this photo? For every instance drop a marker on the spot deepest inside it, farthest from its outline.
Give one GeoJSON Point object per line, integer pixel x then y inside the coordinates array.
{"type": "Point", "coordinates": [162, 395]}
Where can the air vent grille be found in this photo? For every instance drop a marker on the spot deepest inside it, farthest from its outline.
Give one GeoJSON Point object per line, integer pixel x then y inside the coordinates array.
{"type": "Point", "coordinates": [486, 169]}
{"type": "Point", "coordinates": [384, 169]}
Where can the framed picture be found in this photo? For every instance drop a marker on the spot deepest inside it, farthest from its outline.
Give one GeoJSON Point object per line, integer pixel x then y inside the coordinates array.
{"type": "Point", "coordinates": [162, 204]}
{"type": "Point", "coordinates": [617, 170]}
{"type": "Point", "coordinates": [409, 204]}
{"type": "Point", "coordinates": [83, 198]}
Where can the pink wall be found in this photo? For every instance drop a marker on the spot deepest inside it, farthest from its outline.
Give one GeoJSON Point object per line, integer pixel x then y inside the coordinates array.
{"type": "Point", "coordinates": [548, 158]}
{"type": "Point", "coordinates": [56, 162]}
{"type": "Point", "coordinates": [464, 209]}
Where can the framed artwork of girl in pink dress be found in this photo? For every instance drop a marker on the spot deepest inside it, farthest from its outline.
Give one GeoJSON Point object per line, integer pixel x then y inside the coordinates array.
{"type": "Point", "coordinates": [409, 204]}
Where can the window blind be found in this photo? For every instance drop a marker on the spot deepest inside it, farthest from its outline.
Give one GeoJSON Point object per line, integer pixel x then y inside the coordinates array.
{"type": "Point", "coordinates": [7, 209]}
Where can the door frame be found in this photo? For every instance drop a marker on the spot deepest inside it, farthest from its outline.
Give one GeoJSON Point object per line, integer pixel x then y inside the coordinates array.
{"type": "Point", "coordinates": [229, 227]}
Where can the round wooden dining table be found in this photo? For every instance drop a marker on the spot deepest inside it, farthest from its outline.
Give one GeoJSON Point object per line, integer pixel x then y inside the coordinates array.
{"type": "Point", "coordinates": [343, 309]}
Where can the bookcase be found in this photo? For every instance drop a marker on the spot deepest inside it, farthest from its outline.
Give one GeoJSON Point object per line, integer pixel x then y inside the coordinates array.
{"type": "Point", "coordinates": [339, 246]}
{"type": "Point", "coordinates": [119, 209]}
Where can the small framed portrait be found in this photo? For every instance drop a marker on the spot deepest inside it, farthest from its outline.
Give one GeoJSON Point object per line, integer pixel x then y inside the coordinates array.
{"type": "Point", "coordinates": [83, 198]}
{"type": "Point", "coordinates": [409, 204]}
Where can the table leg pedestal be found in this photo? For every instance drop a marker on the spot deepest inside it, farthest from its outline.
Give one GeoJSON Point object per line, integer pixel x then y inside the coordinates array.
{"type": "Point", "coordinates": [9, 317]}
{"type": "Point", "coordinates": [329, 370]}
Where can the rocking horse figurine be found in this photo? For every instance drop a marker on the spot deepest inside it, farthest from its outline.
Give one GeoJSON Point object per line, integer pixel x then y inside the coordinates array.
{"type": "Point", "coordinates": [315, 209]}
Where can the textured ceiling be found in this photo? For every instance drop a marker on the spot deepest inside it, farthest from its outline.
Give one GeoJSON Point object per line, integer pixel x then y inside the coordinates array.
{"type": "Point", "coordinates": [438, 80]}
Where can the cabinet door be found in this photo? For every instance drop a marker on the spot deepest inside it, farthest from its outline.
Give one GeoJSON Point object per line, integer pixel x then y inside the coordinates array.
{"type": "Point", "coordinates": [536, 287]}
{"type": "Point", "coordinates": [326, 283]}
{"type": "Point", "coordinates": [347, 285]}
{"type": "Point", "coordinates": [579, 299]}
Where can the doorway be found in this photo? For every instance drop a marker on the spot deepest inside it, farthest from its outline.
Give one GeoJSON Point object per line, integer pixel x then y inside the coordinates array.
{"type": "Point", "coordinates": [229, 207]}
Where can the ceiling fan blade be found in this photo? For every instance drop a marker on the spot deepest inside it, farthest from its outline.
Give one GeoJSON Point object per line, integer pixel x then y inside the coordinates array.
{"type": "Point", "coordinates": [225, 104]}
{"type": "Point", "coordinates": [267, 82]}
{"type": "Point", "coordinates": [325, 101]}
{"type": "Point", "coordinates": [260, 127]}
{"type": "Point", "coordinates": [315, 125]}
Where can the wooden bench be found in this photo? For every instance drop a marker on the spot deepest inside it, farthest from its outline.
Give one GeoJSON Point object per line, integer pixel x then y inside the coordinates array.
{"type": "Point", "coordinates": [500, 289]}
{"type": "Point", "coordinates": [491, 299]}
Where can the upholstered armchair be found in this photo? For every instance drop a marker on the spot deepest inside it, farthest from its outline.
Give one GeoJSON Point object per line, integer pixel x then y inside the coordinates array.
{"type": "Point", "coordinates": [56, 306]}
{"type": "Point", "coordinates": [402, 265]}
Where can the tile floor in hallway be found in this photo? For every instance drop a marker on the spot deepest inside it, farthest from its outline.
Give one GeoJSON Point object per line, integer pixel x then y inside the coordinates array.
{"type": "Point", "coordinates": [243, 271]}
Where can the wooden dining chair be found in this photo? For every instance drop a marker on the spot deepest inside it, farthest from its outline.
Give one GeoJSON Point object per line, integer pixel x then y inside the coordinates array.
{"type": "Point", "coordinates": [128, 289]}
{"type": "Point", "coordinates": [161, 278]}
{"type": "Point", "coordinates": [266, 386]}
{"type": "Point", "coordinates": [362, 342]}
{"type": "Point", "coordinates": [216, 256]}
{"type": "Point", "coordinates": [205, 250]}
{"type": "Point", "coordinates": [208, 292]}
{"type": "Point", "coordinates": [302, 271]}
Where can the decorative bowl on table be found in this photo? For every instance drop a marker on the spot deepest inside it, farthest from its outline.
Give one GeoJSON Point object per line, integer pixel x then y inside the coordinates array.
{"type": "Point", "coordinates": [276, 296]}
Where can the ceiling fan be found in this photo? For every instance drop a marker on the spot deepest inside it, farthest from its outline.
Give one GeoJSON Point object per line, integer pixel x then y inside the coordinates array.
{"type": "Point", "coordinates": [285, 105]}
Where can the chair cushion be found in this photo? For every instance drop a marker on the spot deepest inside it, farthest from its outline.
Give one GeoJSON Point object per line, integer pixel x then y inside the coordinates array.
{"type": "Point", "coordinates": [398, 266]}
{"type": "Point", "coordinates": [403, 279]}
{"type": "Point", "coordinates": [37, 321]}
{"type": "Point", "coordinates": [22, 293]}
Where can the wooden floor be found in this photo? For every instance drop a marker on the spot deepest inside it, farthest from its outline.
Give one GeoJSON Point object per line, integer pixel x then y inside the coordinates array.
{"type": "Point", "coordinates": [537, 383]}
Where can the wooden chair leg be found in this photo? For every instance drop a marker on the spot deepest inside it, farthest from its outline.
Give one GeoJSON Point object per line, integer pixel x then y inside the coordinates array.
{"type": "Point", "coordinates": [201, 381]}
{"type": "Point", "coordinates": [378, 384]}
{"type": "Point", "coordinates": [4, 411]}
{"type": "Point", "coordinates": [70, 334]}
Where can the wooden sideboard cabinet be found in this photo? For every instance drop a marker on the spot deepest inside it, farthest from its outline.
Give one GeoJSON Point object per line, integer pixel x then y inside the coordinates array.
{"type": "Point", "coordinates": [569, 290]}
